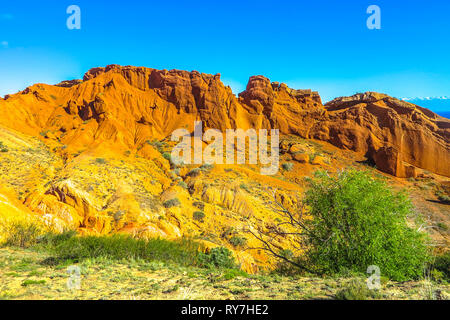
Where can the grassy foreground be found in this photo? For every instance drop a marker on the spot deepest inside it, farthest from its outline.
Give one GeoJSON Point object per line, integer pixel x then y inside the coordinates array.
{"type": "Point", "coordinates": [26, 274]}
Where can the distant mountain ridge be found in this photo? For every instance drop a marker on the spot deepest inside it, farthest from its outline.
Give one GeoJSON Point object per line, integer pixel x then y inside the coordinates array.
{"type": "Point", "coordinates": [440, 105]}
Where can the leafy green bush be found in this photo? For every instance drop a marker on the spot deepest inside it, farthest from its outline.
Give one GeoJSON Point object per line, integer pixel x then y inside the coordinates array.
{"type": "Point", "coordinates": [238, 241]}
{"type": "Point", "coordinates": [219, 257]}
{"type": "Point", "coordinates": [357, 221]}
{"type": "Point", "coordinates": [172, 203]}
{"type": "Point", "coordinates": [198, 215]}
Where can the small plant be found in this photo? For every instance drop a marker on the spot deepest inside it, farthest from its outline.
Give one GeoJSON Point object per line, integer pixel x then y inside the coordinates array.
{"type": "Point", "coordinates": [238, 241]}
{"type": "Point", "coordinates": [219, 257]}
{"type": "Point", "coordinates": [194, 173]}
{"type": "Point", "coordinates": [443, 197]}
{"type": "Point", "coordinates": [172, 203]}
{"type": "Point", "coordinates": [183, 184]}
{"type": "Point", "coordinates": [287, 166]}
{"type": "Point", "coordinates": [3, 148]}
{"type": "Point", "coordinates": [167, 156]}
{"type": "Point", "coordinates": [233, 273]}
{"type": "Point", "coordinates": [199, 205]}
{"type": "Point", "coordinates": [442, 226]}
{"type": "Point", "coordinates": [355, 290]}
{"type": "Point", "coordinates": [100, 161]}
{"type": "Point", "coordinates": [245, 187]}
{"type": "Point", "coordinates": [199, 215]}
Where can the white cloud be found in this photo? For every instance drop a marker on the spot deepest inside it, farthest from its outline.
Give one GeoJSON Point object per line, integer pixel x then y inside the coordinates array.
{"type": "Point", "coordinates": [426, 98]}
{"type": "Point", "coordinates": [4, 44]}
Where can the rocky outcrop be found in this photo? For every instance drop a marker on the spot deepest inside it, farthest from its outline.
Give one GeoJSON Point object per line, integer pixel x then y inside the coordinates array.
{"type": "Point", "coordinates": [127, 106]}
{"type": "Point", "coordinates": [396, 134]}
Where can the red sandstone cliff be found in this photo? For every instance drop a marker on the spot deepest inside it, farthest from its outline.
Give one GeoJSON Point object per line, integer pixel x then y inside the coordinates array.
{"type": "Point", "coordinates": [125, 106]}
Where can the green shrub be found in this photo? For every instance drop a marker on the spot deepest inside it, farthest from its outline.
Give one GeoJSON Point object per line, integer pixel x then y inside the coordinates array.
{"type": "Point", "coordinates": [358, 221]}
{"type": "Point", "coordinates": [3, 148]}
{"type": "Point", "coordinates": [442, 265]}
{"type": "Point", "coordinates": [172, 203]}
{"type": "Point", "coordinates": [183, 184]}
{"type": "Point", "coordinates": [287, 166]}
{"type": "Point", "coordinates": [194, 173]}
{"type": "Point", "coordinates": [238, 241]}
{"type": "Point", "coordinates": [100, 161]}
{"type": "Point", "coordinates": [167, 156]}
{"type": "Point", "coordinates": [199, 205]}
{"type": "Point", "coordinates": [355, 290]}
{"type": "Point", "coordinates": [198, 215]}
{"type": "Point", "coordinates": [245, 187]}
{"type": "Point", "coordinates": [219, 257]}
{"type": "Point", "coordinates": [233, 273]}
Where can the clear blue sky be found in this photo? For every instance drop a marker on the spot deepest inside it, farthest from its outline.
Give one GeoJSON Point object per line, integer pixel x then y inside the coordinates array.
{"type": "Point", "coordinates": [322, 44]}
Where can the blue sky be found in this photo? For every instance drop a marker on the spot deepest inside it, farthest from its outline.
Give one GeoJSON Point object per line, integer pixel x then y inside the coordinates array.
{"type": "Point", "coordinates": [322, 44]}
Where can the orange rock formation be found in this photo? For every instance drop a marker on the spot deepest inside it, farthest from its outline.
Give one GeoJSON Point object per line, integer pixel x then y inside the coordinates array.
{"type": "Point", "coordinates": [130, 105]}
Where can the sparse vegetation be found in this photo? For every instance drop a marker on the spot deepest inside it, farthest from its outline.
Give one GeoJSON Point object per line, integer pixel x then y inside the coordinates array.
{"type": "Point", "coordinates": [238, 241]}
{"type": "Point", "coordinates": [443, 197]}
{"type": "Point", "coordinates": [167, 156]}
{"type": "Point", "coordinates": [100, 161]}
{"type": "Point", "coordinates": [3, 148]}
{"type": "Point", "coordinates": [172, 203]}
{"type": "Point", "coordinates": [355, 290]}
{"type": "Point", "coordinates": [287, 166]}
{"type": "Point", "coordinates": [194, 173]}
{"type": "Point", "coordinates": [219, 257]}
{"type": "Point", "coordinates": [199, 215]}
{"type": "Point", "coordinates": [199, 204]}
